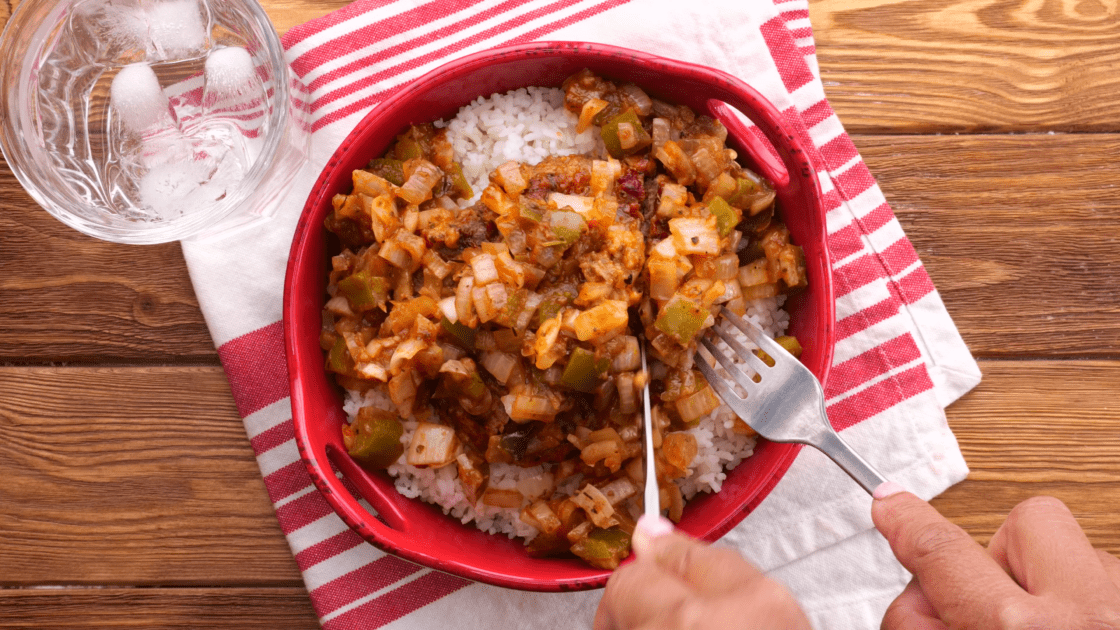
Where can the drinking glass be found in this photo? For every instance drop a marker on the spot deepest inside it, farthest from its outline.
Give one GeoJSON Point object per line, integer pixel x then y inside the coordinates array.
{"type": "Point", "coordinates": [147, 121]}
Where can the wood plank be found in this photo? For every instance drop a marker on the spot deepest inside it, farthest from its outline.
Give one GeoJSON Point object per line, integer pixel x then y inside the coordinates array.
{"type": "Point", "coordinates": [288, 13]}
{"type": "Point", "coordinates": [979, 210]}
{"type": "Point", "coordinates": [1040, 428]}
{"type": "Point", "coordinates": [131, 476]}
{"type": "Point", "coordinates": [899, 66]}
{"type": "Point", "coordinates": [68, 297]}
{"type": "Point", "coordinates": [1017, 232]}
{"type": "Point", "coordinates": [187, 608]}
{"type": "Point", "coordinates": [119, 488]}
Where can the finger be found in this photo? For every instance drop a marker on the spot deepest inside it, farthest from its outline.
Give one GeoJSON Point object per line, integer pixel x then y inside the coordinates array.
{"type": "Point", "coordinates": [912, 610]}
{"type": "Point", "coordinates": [711, 570]}
{"type": "Point", "coordinates": [1046, 550]}
{"type": "Point", "coordinates": [641, 594]}
{"type": "Point", "coordinates": [1111, 566]}
{"type": "Point", "coordinates": [962, 582]}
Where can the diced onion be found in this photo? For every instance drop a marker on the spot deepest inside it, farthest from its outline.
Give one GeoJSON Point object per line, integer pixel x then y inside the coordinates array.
{"type": "Point", "coordinates": [627, 137]}
{"type": "Point", "coordinates": [582, 205]}
{"type": "Point", "coordinates": [587, 115]}
{"type": "Point", "coordinates": [600, 321]}
{"type": "Point", "coordinates": [418, 188]}
{"type": "Point", "coordinates": [402, 390]}
{"type": "Point", "coordinates": [382, 211]}
{"type": "Point", "coordinates": [528, 309]}
{"type": "Point", "coordinates": [500, 364]}
{"type": "Point", "coordinates": [629, 358]}
{"type": "Point", "coordinates": [604, 174]}
{"type": "Point", "coordinates": [463, 303]}
{"type": "Point", "coordinates": [597, 506]}
{"type": "Point", "coordinates": [641, 101]}
{"type": "Point", "coordinates": [435, 263]}
{"type": "Point", "coordinates": [432, 445]}
{"type": "Point", "coordinates": [663, 278]}
{"type": "Point", "coordinates": [726, 267]}
{"type": "Point", "coordinates": [540, 516]}
{"type": "Point", "coordinates": [405, 351]}
{"type": "Point", "coordinates": [447, 307]}
{"type": "Point", "coordinates": [731, 291]}
{"type": "Point", "coordinates": [484, 269]}
{"type": "Point", "coordinates": [754, 273]}
{"type": "Point", "coordinates": [698, 404]}
{"type": "Point", "coordinates": [659, 132]}
{"type": "Point", "coordinates": [695, 236]}
{"type": "Point", "coordinates": [511, 178]}
{"type": "Point", "coordinates": [619, 490]}
{"type": "Point", "coordinates": [339, 305]}
{"type": "Point", "coordinates": [627, 400]}
{"type": "Point", "coordinates": [496, 497]}
{"type": "Point", "coordinates": [522, 408]}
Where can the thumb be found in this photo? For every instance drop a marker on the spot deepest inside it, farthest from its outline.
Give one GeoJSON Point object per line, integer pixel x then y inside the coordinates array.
{"type": "Point", "coordinates": [962, 582]}
{"type": "Point", "coordinates": [706, 568]}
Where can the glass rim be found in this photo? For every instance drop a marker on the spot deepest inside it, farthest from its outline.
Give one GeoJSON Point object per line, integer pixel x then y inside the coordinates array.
{"type": "Point", "coordinates": [22, 42]}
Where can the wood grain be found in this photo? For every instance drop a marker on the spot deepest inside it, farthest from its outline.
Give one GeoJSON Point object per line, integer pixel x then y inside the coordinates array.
{"type": "Point", "coordinates": [1016, 232]}
{"type": "Point", "coordinates": [67, 297]}
{"type": "Point", "coordinates": [171, 608]}
{"type": "Point", "coordinates": [131, 476]}
{"type": "Point", "coordinates": [1012, 229]}
{"type": "Point", "coordinates": [147, 478]}
{"type": "Point", "coordinates": [1039, 428]}
{"type": "Point", "coordinates": [892, 66]}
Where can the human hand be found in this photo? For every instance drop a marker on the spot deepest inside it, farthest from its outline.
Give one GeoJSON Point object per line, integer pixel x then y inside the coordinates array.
{"type": "Point", "coordinates": [1039, 570]}
{"type": "Point", "coordinates": [676, 582]}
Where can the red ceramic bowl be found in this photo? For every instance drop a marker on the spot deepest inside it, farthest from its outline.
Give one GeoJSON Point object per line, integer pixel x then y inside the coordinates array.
{"type": "Point", "coordinates": [420, 532]}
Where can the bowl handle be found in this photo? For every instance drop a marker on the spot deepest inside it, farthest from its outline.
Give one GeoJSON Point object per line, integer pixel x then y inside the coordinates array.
{"type": "Point", "coordinates": [761, 151]}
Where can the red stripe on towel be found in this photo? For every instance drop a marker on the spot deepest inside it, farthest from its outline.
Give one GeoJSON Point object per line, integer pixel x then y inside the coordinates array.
{"type": "Point", "coordinates": [287, 481]}
{"type": "Point", "coordinates": [273, 437]}
{"type": "Point", "coordinates": [302, 511]}
{"type": "Point", "coordinates": [256, 368]}
{"type": "Point", "coordinates": [789, 60]}
{"type": "Point", "coordinates": [360, 582]}
{"type": "Point", "coordinates": [868, 365]}
{"type": "Point", "coordinates": [327, 549]}
{"type": "Point", "coordinates": [879, 397]}
{"type": "Point", "coordinates": [301, 32]}
{"type": "Point", "coordinates": [362, 37]}
{"type": "Point", "coordinates": [371, 100]}
{"type": "Point", "coordinates": [398, 602]}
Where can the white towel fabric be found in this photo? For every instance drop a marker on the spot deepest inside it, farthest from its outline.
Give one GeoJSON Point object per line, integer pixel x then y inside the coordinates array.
{"type": "Point", "coordinates": [899, 359]}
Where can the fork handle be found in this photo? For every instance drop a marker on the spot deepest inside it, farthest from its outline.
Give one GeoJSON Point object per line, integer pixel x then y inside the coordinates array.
{"type": "Point", "coordinates": [830, 443]}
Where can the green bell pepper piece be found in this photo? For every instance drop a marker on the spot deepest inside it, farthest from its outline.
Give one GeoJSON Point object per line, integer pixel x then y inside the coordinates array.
{"type": "Point", "coordinates": [681, 319]}
{"type": "Point", "coordinates": [374, 439]}
{"type": "Point", "coordinates": [726, 217]}
{"type": "Point", "coordinates": [388, 168]}
{"type": "Point", "coordinates": [584, 371]}
{"type": "Point", "coordinates": [339, 359]}
{"type": "Point", "coordinates": [460, 332]}
{"type": "Point", "coordinates": [609, 132]}
{"type": "Point", "coordinates": [364, 290]}
{"type": "Point", "coordinates": [459, 184]}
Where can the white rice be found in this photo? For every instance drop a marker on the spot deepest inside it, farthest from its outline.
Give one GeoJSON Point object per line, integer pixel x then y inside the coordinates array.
{"type": "Point", "coordinates": [528, 125]}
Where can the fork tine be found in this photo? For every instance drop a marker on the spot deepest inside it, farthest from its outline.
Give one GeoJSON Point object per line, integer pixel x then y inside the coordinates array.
{"type": "Point", "coordinates": [734, 370]}
{"type": "Point", "coordinates": [756, 363]}
{"type": "Point", "coordinates": [716, 382]}
{"type": "Point", "coordinates": [750, 329]}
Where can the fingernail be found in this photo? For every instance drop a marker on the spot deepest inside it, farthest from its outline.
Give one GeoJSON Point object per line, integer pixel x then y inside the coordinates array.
{"type": "Point", "coordinates": [886, 489]}
{"type": "Point", "coordinates": [648, 528]}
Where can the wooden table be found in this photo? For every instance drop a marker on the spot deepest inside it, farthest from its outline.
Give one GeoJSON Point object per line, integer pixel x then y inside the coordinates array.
{"type": "Point", "coordinates": [129, 495]}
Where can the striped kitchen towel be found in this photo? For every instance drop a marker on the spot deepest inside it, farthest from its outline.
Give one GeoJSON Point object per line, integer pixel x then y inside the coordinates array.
{"type": "Point", "coordinates": [899, 359]}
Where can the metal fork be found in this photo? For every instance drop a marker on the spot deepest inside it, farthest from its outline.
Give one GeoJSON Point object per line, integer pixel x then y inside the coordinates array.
{"type": "Point", "coordinates": [786, 404]}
